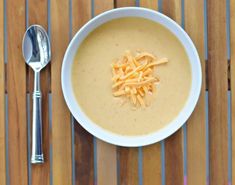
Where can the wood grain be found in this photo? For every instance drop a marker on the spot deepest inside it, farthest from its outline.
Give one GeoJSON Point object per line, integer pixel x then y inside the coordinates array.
{"type": "Point", "coordinates": [106, 153]}
{"type": "Point", "coordinates": [174, 159]}
{"type": "Point", "coordinates": [124, 3]}
{"type": "Point", "coordinates": [172, 8]}
{"type": "Point", "coordinates": [41, 173]}
{"type": "Point", "coordinates": [81, 13]}
{"type": "Point", "coordinates": [101, 6]}
{"type": "Point", "coordinates": [16, 87]}
{"type": "Point", "coordinates": [84, 156]}
{"type": "Point", "coordinates": [149, 4]}
{"type": "Point", "coordinates": [2, 101]}
{"type": "Point", "coordinates": [232, 77]}
{"type": "Point", "coordinates": [128, 157]}
{"type": "Point", "coordinates": [196, 125]}
{"type": "Point", "coordinates": [174, 143]}
{"type": "Point", "coordinates": [217, 87]}
{"type": "Point", "coordinates": [106, 163]}
{"type": "Point", "coordinates": [83, 141]}
{"type": "Point", "coordinates": [151, 154]}
{"type": "Point", "coordinates": [152, 173]}
{"type": "Point", "coordinates": [61, 127]}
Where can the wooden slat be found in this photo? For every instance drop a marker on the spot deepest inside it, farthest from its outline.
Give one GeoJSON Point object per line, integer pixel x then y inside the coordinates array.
{"type": "Point", "coordinates": [152, 173]}
{"type": "Point", "coordinates": [121, 3]}
{"type": "Point", "coordinates": [151, 154]}
{"type": "Point", "coordinates": [128, 157]}
{"type": "Point", "coordinates": [217, 87]}
{"type": "Point", "coordinates": [174, 144]}
{"type": "Point", "coordinates": [40, 173]}
{"type": "Point", "coordinates": [2, 102]}
{"type": "Point", "coordinates": [106, 163]}
{"type": "Point", "coordinates": [172, 8]}
{"type": "Point", "coordinates": [83, 141]}
{"type": "Point", "coordinates": [174, 159]}
{"type": "Point", "coordinates": [81, 10]}
{"type": "Point", "coordinates": [101, 6]}
{"type": "Point", "coordinates": [232, 77]}
{"type": "Point", "coordinates": [106, 153]}
{"type": "Point", "coordinates": [84, 156]}
{"type": "Point", "coordinates": [61, 127]}
{"type": "Point", "coordinates": [16, 87]}
{"type": "Point", "coordinates": [196, 127]}
{"type": "Point", "coordinates": [149, 4]}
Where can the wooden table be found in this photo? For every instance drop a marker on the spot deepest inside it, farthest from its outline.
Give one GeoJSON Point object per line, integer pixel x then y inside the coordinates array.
{"type": "Point", "coordinates": [200, 152]}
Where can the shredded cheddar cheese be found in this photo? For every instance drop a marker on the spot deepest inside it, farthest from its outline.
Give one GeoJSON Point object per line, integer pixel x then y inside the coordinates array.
{"type": "Point", "coordinates": [133, 77]}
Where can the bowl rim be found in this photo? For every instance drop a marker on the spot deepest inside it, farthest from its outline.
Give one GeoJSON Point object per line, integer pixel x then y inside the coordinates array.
{"type": "Point", "coordinates": [141, 140]}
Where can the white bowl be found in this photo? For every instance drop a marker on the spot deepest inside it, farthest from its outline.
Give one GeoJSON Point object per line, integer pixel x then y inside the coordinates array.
{"type": "Point", "coordinates": [105, 135]}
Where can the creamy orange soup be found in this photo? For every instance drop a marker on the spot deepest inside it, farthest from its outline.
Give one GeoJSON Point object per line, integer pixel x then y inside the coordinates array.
{"type": "Point", "coordinates": [91, 76]}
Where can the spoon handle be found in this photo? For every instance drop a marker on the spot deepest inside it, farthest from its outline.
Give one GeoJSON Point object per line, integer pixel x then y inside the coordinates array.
{"type": "Point", "coordinates": [37, 154]}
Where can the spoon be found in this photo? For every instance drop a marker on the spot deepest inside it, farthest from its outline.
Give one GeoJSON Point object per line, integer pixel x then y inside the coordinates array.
{"type": "Point", "coordinates": [37, 54]}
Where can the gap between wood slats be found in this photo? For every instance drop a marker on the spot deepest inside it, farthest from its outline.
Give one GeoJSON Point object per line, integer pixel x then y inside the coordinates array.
{"type": "Point", "coordinates": [28, 109]}
{"type": "Point", "coordinates": [29, 138]}
{"type": "Point", "coordinates": [229, 92]}
{"type": "Point", "coordinates": [228, 38]}
{"type": "Point", "coordinates": [50, 125]}
{"type": "Point", "coordinates": [229, 140]}
{"type": "Point", "coordinates": [73, 153]}
{"type": "Point", "coordinates": [95, 159]}
{"type": "Point", "coordinates": [50, 96]}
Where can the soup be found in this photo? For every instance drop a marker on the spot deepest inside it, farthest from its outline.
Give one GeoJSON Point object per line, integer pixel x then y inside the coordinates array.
{"type": "Point", "coordinates": [91, 76]}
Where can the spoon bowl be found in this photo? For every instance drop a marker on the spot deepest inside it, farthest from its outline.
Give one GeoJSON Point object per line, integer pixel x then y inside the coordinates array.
{"type": "Point", "coordinates": [36, 47]}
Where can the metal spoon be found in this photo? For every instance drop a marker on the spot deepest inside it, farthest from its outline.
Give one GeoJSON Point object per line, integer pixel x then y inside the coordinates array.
{"type": "Point", "coordinates": [37, 54]}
